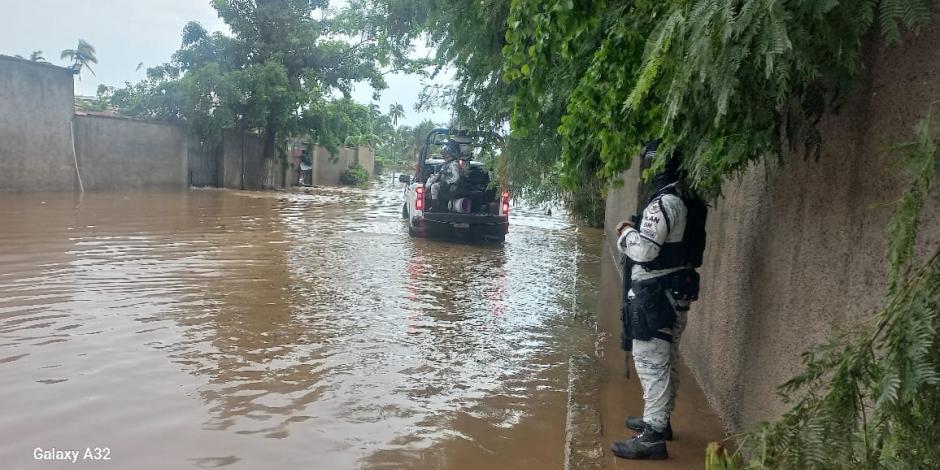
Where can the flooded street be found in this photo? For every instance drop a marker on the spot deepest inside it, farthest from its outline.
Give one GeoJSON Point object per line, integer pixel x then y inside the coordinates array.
{"type": "Point", "coordinates": [216, 328]}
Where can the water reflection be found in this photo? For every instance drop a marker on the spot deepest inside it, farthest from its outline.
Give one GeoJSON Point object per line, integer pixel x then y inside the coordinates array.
{"type": "Point", "coordinates": [253, 330]}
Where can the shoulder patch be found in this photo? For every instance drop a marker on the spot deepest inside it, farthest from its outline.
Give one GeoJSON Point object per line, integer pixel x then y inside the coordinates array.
{"type": "Point", "coordinates": [654, 207]}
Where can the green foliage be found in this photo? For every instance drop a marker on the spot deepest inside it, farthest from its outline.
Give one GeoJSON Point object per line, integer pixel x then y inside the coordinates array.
{"type": "Point", "coordinates": [719, 79]}
{"type": "Point", "coordinates": [101, 101]}
{"type": "Point", "coordinates": [339, 122]}
{"type": "Point", "coordinates": [81, 56]}
{"type": "Point", "coordinates": [401, 144]}
{"type": "Point", "coordinates": [355, 175]}
{"type": "Point", "coordinates": [870, 398]}
{"type": "Point", "coordinates": [36, 56]}
{"type": "Point", "coordinates": [718, 458]}
{"type": "Point", "coordinates": [469, 36]}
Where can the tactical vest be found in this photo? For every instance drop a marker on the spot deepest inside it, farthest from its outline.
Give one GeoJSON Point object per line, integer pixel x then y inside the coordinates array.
{"type": "Point", "coordinates": [690, 250]}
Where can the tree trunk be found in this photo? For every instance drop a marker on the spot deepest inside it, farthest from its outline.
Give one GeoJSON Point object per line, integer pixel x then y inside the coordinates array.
{"type": "Point", "coordinates": [268, 152]}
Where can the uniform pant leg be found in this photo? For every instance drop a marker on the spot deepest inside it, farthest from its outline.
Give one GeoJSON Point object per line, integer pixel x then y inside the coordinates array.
{"type": "Point", "coordinates": [681, 320]}
{"type": "Point", "coordinates": [654, 368]}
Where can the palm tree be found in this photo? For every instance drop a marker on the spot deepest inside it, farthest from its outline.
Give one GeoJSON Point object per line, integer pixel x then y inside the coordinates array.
{"type": "Point", "coordinates": [83, 55]}
{"type": "Point", "coordinates": [374, 111]}
{"type": "Point", "coordinates": [36, 56]}
{"type": "Point", "coordinates": [396, 112]}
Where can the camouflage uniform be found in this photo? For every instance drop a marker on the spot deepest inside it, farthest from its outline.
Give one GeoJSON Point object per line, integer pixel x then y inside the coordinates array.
{"type": "Point", "coordinates": [656, 363]}
{"type": "Point", "coordinates": [656, 360]}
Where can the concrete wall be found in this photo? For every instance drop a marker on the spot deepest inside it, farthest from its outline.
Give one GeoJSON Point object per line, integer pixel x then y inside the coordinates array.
{"type": "Point", "coordinates": [36, 113]}
{"type": "Point", "coordinates": [327, 168]}
{"type": "Point", "coordinates": [36, 102]}
{"type": "Point", "coordinates": [798, 252]}
{"type": "Point", "coordinates": [125, 154]}
{"type": "Point", "coordinates": [366, 158]}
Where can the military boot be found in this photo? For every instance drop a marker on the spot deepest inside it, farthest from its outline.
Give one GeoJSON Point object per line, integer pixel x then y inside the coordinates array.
{"type": "Point", "coordinates": [636, 423]}
{"type": "Point", "coordinates": [649, 444]}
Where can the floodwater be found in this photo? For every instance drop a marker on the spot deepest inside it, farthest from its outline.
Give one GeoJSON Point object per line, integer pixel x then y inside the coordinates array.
{"type": "Point", "coordinates": [242, 330]}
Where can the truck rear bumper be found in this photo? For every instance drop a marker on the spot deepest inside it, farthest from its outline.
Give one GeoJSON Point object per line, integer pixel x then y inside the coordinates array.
{"type": "Point", "coordinates": [489, 227]}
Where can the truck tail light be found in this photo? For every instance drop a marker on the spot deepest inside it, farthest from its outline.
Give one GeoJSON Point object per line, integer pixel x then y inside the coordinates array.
{"type": "Point", "coordinates": [505, 210]}
{"type": "Point", "coordinates": [419, 198]}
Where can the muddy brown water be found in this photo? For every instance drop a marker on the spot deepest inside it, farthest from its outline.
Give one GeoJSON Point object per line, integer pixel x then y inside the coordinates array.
{"type": "Point", "coordinates": [242, 330]}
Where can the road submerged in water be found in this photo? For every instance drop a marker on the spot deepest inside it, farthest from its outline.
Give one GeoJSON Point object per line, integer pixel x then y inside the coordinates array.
{"type": "Point", "coordinates": [284, 330]}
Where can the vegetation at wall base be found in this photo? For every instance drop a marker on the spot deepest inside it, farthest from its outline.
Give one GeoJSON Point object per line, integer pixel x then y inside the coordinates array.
{"type": "Point", "coordinates": [355, 175]}
{"type": "Point", "coordinates": [718, 458]}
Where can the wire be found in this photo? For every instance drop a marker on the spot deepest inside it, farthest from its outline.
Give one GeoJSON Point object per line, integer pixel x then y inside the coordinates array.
{"type": "Point", "coordinates": [75, 154]}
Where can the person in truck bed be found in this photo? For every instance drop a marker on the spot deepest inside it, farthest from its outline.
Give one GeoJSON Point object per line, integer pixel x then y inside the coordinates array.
{"type": "Point", "coordinates": [444, 181]}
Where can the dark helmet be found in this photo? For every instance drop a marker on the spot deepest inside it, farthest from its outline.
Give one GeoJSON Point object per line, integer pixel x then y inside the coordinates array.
{"type": "Point", "coordinates": [666, 175]}
{"type": "Point", "coordinates": [451, 149]}
{"type": "Point", "coordinates": [648, 152]}
{"type": "Point", "coordinates": [671, 169]}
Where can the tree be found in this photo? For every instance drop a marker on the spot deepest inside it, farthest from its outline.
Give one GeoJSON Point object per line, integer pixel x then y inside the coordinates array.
{"type": "Point", "coordinates": [470, 36]}
{"type": "Point", "coordinates": [396, 112]}
{"type": "Point", "coordinates": [81, 56]}
{"type": "Point", "coordinates": [36, 56]}
{"type": "Point", "coordinates": [407, 142]}
{"type": "Point", "coordinates": [276, 74]}
{"type": "Point", "coordinates": [723, 81]}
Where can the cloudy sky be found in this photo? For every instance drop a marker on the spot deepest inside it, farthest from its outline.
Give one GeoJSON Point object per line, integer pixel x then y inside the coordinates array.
{"type": "Point", "coordinates": [128, 32]}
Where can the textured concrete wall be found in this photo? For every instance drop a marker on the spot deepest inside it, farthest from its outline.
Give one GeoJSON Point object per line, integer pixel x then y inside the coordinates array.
{"type": "Point", "coordinates": [36, 102]}
{"type": "Point", "coordinates": [797, 252]}
{"type": "Point", "coordinates": [125, 154]}
{"type": "Point", "coordinates": [327, 168]}
{"type": "Point", "coordinates": [366, 158]}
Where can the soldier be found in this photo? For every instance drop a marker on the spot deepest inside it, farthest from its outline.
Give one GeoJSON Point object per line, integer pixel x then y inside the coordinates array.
{"type": "Point", "coordinates": [662, 254]}
{"type": "Point", "coordinates": [442, 186]}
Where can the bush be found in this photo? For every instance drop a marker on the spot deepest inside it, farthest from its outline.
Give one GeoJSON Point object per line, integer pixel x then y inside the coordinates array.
{"type": "Point", "coordinates": [355, 175]}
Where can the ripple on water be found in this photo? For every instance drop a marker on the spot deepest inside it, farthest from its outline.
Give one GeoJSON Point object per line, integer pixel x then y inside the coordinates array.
{"type": "Point", "coordinates": [219, 328]}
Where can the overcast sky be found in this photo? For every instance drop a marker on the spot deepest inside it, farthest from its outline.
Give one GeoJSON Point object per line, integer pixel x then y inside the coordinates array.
{"type": "Point", "coordinates": [128, 32]}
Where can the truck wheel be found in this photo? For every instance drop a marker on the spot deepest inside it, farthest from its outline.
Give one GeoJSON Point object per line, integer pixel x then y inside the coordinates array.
{"type": "Point", "coordinates": [404, 211]}
{"type": "Point", "coordinates": [412, 232]}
